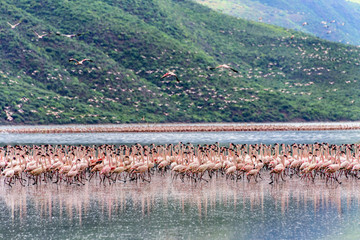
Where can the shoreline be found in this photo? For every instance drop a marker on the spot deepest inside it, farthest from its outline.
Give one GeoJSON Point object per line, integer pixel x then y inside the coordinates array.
{"type": "Point", "coordinates": [188, 127]}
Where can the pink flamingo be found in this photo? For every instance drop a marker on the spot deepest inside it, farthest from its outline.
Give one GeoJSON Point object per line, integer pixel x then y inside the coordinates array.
{"type": "Point", "coordinates": [170, 74]}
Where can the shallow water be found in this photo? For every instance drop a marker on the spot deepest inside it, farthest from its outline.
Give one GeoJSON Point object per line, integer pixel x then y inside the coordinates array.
{"type": "Point", "coordinates": [251, 137]}
{"type": "Point", "coordinates": [268, 137]}
{"type": "Point", "coordinates": [164, 209]}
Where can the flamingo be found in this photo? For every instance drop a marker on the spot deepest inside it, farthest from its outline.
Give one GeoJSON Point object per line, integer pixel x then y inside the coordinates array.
{"type": "Point", "coordinates": [332, 169]}
{"type": "Point", "coordinates": [225, 67]}
{"type": "Point", "coordinates": [68, 35]}
{"type": "Point", "coordinates": [9, 174]}
{"type": "Point", "coordinates": [278, 170]}
{"type": "Point", "coordinates": [170, 74]}
{"type": "Point", "coordinates": [117, 171]}
{"type": "Point", "coordinates": [74, 173]}
{"type": "Point", "coordinates": [253, 173]}
{"type": "Point", "coordinates": [179, 169]}
{"type": "Point", "coordinates": [184, 161]}
{"type": "Point", "coordinates": [41, 36]}
{"type": "Point", "coordinates": [14, 25]}
{"type": "Point", "coordinates": [230, 172]}
{"type": "Point", "coordinates": [80, 62]}
{"type": "Point", "coordinates": [36, 173]}
{"type": "Point", "coordinates": [141, 170]}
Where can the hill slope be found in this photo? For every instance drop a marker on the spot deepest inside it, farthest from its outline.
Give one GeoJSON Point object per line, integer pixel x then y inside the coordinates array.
{"type": "Point", "coordinates": [283, 75]}
{"type": "Point", "coordinates": [334, 20]}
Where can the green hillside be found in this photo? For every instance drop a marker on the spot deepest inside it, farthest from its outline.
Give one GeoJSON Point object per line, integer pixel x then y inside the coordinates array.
{"type": "Point", "coordinates": [334, 20]}
{"type": "Point", "coordinates": [283, 75]}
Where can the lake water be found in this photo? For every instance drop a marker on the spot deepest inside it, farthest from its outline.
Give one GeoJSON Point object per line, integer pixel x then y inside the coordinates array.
{"type": "Point", "coordinates": [268, 137]}
{"type": "Point", "coordinates": [166, 209]}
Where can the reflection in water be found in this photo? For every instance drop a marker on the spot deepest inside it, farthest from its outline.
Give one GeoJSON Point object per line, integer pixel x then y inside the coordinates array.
{"type": "Point", "coordinates": [219, 207]}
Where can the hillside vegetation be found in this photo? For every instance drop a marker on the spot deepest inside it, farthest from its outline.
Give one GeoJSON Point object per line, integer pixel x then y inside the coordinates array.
{"type": "Point", "coordinates": [334, 20]}
{"type": "Point", "coordinates": [283, 75]}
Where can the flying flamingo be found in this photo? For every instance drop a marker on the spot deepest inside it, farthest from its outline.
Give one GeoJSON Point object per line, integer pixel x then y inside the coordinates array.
{"type": "Point", "coordinates": [41, 36]}
{"type": "Point", "coordinates": [225, 67]}
{"type": "Point", "coordinates": [68, 35]}
{"type": "Point", "coordinates": [14, 25]}
{"type": "Point", "coordinates": [79, 62]}
{"type": "Point", "coordinates": [170, 74]}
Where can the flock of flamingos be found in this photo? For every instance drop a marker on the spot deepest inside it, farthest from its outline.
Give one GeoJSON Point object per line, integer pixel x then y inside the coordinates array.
{"type": "Point", "coordinates": [111, 164]}
{"type": "Point", "coordinates": [180, 128]}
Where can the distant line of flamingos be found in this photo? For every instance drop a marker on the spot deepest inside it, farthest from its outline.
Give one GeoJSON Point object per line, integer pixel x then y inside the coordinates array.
{"type": "Point", "coordinates": [110, 164]}
{"type": "Point", "coordinates": [150, 127]}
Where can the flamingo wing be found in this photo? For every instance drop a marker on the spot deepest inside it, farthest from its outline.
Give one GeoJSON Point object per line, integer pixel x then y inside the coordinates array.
{"type": "Point", "coordinates": [86, 59]}
{"type": "Point", "coordinates": [234, 70]}
{"type": "Point", "coordinates": [73, 60]}
{"type": "Point", "coordinates": [72, 35]}
{"type": "Point", "coordinates": [165, 75]}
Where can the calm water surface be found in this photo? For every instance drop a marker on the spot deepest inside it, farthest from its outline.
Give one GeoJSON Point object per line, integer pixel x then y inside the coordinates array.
{"type": "Point", "coordinates": [165, 209]}
{"type": "Point", "coordinates": [269, 137]}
